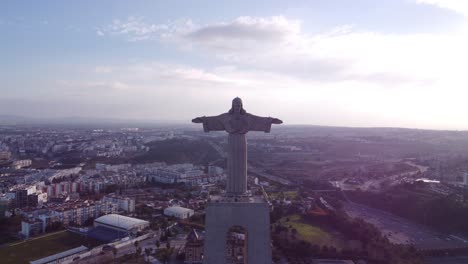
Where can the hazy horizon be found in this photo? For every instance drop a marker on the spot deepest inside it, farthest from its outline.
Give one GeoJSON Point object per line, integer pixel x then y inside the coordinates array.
{"type": "Point", "coordinates": [328, 63]}
{"type": "Point", "coordinates": [109, 121]}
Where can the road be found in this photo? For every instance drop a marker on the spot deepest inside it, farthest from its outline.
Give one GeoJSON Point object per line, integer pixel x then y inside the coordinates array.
{"type": "Point", "coordinates": [403, 231]}
{"type": "Point", "coordinates": [447, 260]}
{"type": "Point", "coordinates": [218, 149]}
{"type": "Point", "coordinates": [270, 177]}
{"type": "Point", "coordinates": [372, 185]}
{"type": "Point", "coordinates": [251, 169]}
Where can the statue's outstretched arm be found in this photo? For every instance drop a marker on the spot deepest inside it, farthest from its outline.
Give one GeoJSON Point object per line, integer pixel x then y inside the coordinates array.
{"type": "Point", "coordinates": [197, 120]}
{"type": "Point", "coordinates": [276, 121]}
{"type": "Point", "coordinates": [210, 123]}
{"type": "Point", "coordinates": [259, 123]}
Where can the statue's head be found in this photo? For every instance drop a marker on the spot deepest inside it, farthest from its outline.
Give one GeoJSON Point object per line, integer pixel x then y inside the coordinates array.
{"type": "Point", "coordinates": [237, 107]}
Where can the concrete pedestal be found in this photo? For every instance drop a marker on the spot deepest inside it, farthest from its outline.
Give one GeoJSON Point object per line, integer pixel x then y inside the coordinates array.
{"type": "Point", "coordinates": [254, 216]}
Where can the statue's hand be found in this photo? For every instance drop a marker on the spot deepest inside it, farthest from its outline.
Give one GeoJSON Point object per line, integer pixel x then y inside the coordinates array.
{"type": "Point", "coordinates": [197, 120]}
{"type": "Point", "coordinates": [276, 121]}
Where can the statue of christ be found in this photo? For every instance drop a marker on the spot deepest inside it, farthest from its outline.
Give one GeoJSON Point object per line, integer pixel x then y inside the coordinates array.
{"type": "Point", "coordinates": [237, 122]}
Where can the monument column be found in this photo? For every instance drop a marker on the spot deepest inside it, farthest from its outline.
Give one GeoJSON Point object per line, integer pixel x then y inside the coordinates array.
{"type": "Point", "coordinates": [251, 213]}
{"type": "Point", "coordinates": [237, 165]}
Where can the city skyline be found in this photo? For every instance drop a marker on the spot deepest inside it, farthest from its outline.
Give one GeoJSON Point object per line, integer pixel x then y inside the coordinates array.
{"type": "Point", "coordinates": [369, 63]}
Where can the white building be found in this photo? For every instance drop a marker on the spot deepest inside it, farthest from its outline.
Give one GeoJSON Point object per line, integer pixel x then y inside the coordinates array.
{"type": "Point", "coordinates": [31, 228]}
{"type": "Point", "coordinates": [184, 173]}
{"type": "Point", "coordinates": [51, 191]}
{"type": "Point", "coordinates": [121, 223]}
{"type": "Point", "coordinates": [79, 212]}
{"type": "Point", "coordinates": [5, 155]}
{"type": "Point", "coordinates": [179, 212]}
{"type": "Point", "coordinates": [165, 176]}
{"type": "Point", "coordinates": [125, 203]}
{"type": "Point", "coordinates": [215, 170]}
{"type": "Point", "coordinates": [21, 163]}
{"type": "Point", "coordinates": [42, 198]}
{"type": "Point", "coordinates": [74, 187]}
{"type": "Point", "coordinates": [65, 187]}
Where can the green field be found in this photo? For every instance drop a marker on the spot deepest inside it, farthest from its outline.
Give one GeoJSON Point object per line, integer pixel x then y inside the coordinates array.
{"type": "Point", "coordinates": [308, 232]}
{"type": "Point", "coordinates": [289, 195]}
{"type": "Point", "coordinates": [44, 246]}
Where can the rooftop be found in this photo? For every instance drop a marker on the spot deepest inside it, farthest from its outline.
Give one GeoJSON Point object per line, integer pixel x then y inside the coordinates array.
{"type": "Point", "coordinates": [178, 209]}
{"type": "Point", "coordinates": [60, 255]}
{"type": "Point", "coordinates": [120, 221]}
{"type": "Point", "coordinates": [332, 261]}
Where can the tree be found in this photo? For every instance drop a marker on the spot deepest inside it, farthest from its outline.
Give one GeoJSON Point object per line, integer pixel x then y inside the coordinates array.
{"type": "Point", "coordinates": [181, 256]}
{"type": "Point", "coordinates": [114, 252]}
{"type": "Point", "coordinates": [158, 244]}
{"type": "Point", "coordinates": [165, 257]}
{"type": "Point", "coordinates": [136, 243]}
{"type": "Point", "coordinates": [325, 250]}
{"type": "Point", "coordinates": [168, 245]}
{"type": "Point", "coordinates": [294, 232]}
{"type": "Point", "coordinates": [148, 253]}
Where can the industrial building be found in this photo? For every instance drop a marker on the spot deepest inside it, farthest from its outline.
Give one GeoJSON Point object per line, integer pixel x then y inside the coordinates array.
{"type": "Point", "coordinates": [179, 212]}
{"type": "Point", "coordinates": [121, 223]}
{"type": "Point", "coordinates": [62, 257]}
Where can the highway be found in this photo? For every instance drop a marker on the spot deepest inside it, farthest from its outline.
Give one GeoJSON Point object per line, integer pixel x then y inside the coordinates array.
{"type": "Point", "coordinates": [270, 177]}
{"type": "Point", "coordinates": [403, 231]}
{"type": "Point", "coordinates": [447, 260]}
{"type": "Point", "coordinates": [251, 170]}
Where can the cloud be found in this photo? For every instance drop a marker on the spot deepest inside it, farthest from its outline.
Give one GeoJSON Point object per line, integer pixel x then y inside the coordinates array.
{"type": "Point", "coordinates": [144, 77]}
{"type": "Point", "coordinates": [344, 76]}
{"type": "Point", "coordinates": [260, 29]}
{"type": "Point", "coordinates": [343, 53]}
{"type": "Point", "coordinates": [279, 45]}
{"type": "Point", "coordinates": [94, 86]}
{"type": "Point", "coordinates": [133, 28]}
{"type": "Point", "coordinates": [275, 28]}
{"type": "Point", "coordinates": [103, 69]}
{"type": "Point", "coordinates": [459, 6]}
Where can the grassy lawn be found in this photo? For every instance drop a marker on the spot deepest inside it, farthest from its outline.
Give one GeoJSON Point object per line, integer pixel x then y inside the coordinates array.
{"type": "Point", "coordinates": [290, 195]}
{"type": "Point", "coordinates": [44, 246]}
{"type": "Point", "coordinates": [9, 228]}
{"type": "Point", "coordinates": [160, 253]}
{"type": "Point", "coordinates": [307, 232]}
{"type": "Point", "coordinates": [131, 259]}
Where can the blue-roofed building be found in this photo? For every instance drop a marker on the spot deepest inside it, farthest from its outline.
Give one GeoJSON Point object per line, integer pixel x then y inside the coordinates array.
{"type": "Point", "coordinates": [106, 234]}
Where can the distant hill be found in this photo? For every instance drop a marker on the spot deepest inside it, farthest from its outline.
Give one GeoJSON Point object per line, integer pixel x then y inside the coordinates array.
{"type": "Point", "coordinates": [82, 121]}
{"type": "Point", "coordinates": [14, 120]}
{"type": "Point", "coordinates": [179, 151]}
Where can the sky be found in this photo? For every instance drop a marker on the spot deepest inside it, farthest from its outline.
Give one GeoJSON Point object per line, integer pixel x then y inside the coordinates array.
{"type": "Point", "coordinates": [366, 63]}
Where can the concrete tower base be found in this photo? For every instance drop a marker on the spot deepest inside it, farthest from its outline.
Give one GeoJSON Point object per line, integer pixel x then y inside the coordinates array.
{"type": "Point", "coordinates": [252, 215]}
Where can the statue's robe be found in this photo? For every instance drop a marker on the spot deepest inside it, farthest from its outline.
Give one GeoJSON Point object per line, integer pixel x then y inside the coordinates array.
{"type": "Point", "coordinates": [237, 125]}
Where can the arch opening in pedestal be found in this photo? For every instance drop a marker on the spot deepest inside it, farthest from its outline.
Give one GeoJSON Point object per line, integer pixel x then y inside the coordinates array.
{"type": "Point", "coordinates": [236, 245]}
